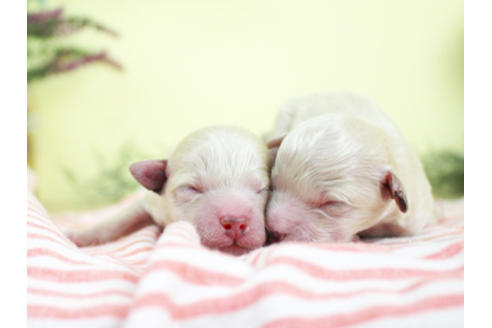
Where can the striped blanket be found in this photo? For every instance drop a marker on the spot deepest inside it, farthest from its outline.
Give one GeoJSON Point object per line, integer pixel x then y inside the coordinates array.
{"type": "Point", "coordinates": [149, 279]}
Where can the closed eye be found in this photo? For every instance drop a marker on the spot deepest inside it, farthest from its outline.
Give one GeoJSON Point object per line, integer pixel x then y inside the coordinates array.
{"type": "Point", "coordinates": [335, 208]}
{"type": "Point", "coordinates": [332, 203]}
{"type": "Point", "coordinates": [192, 188]}
{"type": "Point", "coordinates": [262, 190]}
{"type": "Point", "coordinates": [187, 193]}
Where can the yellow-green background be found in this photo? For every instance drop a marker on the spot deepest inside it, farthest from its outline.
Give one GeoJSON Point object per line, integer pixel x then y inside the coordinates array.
{"type": "Point", "coordinates": [190, 64]}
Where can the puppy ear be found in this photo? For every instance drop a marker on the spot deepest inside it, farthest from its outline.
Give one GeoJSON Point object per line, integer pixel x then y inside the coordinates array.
{"type": "Point", "coordinates": [273, 146]}
{"type": "Point", "coordinates": [150, 174]}
{"type": "Point", "coordinates": [391, 187]}
{"type": "Point", "coordinates": [275, 143]}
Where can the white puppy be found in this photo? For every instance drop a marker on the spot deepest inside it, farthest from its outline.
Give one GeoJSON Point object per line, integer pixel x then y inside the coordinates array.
{"type": "Point", "coordinates": [217, 179]}
{"type": "Point", "coordinates": [342, 170]}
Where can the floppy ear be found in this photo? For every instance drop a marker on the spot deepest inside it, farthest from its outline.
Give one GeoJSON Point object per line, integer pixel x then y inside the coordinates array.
{"type": "Point", "coordinates": [150, 174]}
{"type": "Point", "coordinates": [275, 143]}
{"type": "Point", "coordinates": [273, 146]}
{"type": "Point", "coordinates": [391, 187]}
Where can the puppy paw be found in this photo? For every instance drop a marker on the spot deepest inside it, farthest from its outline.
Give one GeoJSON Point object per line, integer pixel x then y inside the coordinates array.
{"type": "Point", "coordinates": [82, 238]}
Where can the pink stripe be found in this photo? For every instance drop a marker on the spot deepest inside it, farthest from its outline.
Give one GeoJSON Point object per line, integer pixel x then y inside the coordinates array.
{"type": "Point", "coordinates": [207, 277]}
{"type": "Point", "coordinates": [42, 227]}
{"type": "Point", "coordinates": [137, 251]}
{"type": "Point", "coordinates": [39, 218]}
{"type": "Point", "coordinates": [40, 311]}
{"type": "Point", "coordinates": [423, 243]}
{"type": "Point", "coordinates": [388, 241]}
{"type": "Point", "coordinates": [37, 207]}
{"type": "Point", "coordinates": [63, 276]}
{"type": "Point", "coordinates": [451, 218]}
{"type": "Point", "coordinates": [355, 274]}
{"type": "Point", "coordinates": [39, 214]}
{"type": "Point", "coordinates": [439, 231]}
{"type": "Point", "coordinates": [113, 254]}
{"type": "Point", "coordinates": [135, 263]}
{"type": "Point", "coordinates": [264, 253]}
{"type": "Point", "coordinates": [101, 249]}
{"type": "Point", "coordinates": [255, 259]}
{"type": "Point", "coordinates": [193, 274]}
{"type": "Point", "coordinates": [254, 295]}
{"type": "Point", "coordinates": [211, 306]}
{"type": "Point", "coordinates": [58, 240]}
{"type": "Point", "coordinates": [106, 292]}
{"type": "Point", "coordinates": [35, 204]}
{"type": "Point", "coordinates": [47, 252]}
{"type": "Point", "coordinates": [442, 240]}
{"type": "Point", "coordinates": [371, 313]}
{"type": "Point", "coordinates": [359, 247]}
{"type": "Point", "coordinates": [447, 252]}
{"type": "Point", "coordinates": [146, 232]}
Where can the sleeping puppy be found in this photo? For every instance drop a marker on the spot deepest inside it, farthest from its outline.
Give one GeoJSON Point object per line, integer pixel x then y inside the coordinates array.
{"type": "Point", "coordinates": [217, 179]}
{"type": "Point", "coordinates": [343, 170]}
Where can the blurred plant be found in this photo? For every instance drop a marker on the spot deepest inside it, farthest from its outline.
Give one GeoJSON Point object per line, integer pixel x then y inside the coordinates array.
{"type": "Point", "coordinates": [445, 170]}
{"type": "Point", "coordinates": [112, 180]}
{"type": "Point", "coordinates": [46, 57]}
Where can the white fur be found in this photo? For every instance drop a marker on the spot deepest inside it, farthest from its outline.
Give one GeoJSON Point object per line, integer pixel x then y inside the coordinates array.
{"type": "Point", "coordinates": [228, 166]}
{"type": "Point", "coordinates": [338, 148]}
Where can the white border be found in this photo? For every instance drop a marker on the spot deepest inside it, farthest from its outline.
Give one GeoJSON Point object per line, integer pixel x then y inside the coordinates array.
{"type": "Point", "coordinates": [478, 140]}
{"type": "Point", "coordinates": [478, 165]}
{"type": "Point", "coordinates": [13, 163]}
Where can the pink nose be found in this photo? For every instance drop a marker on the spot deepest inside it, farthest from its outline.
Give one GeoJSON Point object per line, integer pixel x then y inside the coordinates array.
{"type": "Point", "coordinates": [235, 227]}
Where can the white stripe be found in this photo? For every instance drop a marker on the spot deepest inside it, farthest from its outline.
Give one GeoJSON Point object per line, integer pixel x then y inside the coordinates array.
{"type": "Point", "coordinates": [153, 317]}
{"type": "Point", "coordinates": [448, 318]}
{"type": "Point", "coordinates": [102, 322]}
{"type": "Point", "coordinates": [82, 287]}
{"type": "Point", "coordinates": [69, 303]}
{"type": "Point", "coordinates": [346, 260]}
{"type": "Point", "coordinates": [281, 306]}
{"type": "Point", "coordinates": [181, 291]}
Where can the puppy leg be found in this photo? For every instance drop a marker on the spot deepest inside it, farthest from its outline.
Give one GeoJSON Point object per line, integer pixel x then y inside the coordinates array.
{"type": "Point", "coordinates": [384, 230]}
{"type": "Point", "coordinates": [125, 222]}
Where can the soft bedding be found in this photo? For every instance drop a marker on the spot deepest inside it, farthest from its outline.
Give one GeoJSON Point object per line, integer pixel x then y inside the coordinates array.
{"type": "Point", "coordinates": [149, 279]}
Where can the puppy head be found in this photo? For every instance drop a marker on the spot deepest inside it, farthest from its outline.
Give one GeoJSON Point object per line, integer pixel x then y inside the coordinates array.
{"type": "Point", "coordinates": [331, 180]}
{"type": "Point", "coordinates": [217, 179]}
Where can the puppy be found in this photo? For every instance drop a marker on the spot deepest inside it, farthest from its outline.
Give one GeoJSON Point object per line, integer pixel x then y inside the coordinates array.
{"type": "Point", "coordinates": [343, 170]}
{"type": "Point", "coordinates": [216, 178]}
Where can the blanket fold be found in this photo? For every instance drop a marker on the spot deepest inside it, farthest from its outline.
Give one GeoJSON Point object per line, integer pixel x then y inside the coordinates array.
{"type": "Point", "coordinates": [148, 279]}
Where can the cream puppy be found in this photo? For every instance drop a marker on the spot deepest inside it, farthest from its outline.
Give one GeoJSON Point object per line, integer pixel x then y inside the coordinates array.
{"type": "Point", "coordinates": [343, 169]}
{"type": "Point", "coordinates": [217, 179]}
